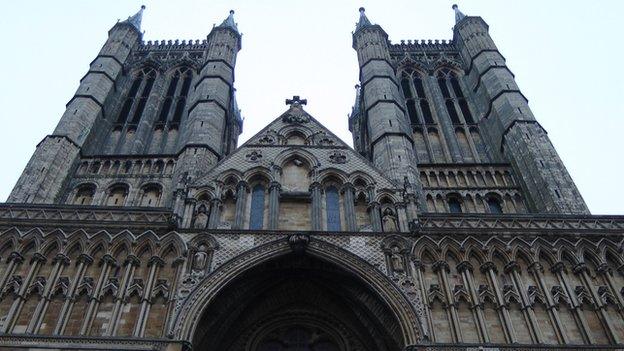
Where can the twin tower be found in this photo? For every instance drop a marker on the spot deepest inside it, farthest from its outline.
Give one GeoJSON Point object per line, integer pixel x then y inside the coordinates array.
{"type": "Point", "coordinates": [444, 118]}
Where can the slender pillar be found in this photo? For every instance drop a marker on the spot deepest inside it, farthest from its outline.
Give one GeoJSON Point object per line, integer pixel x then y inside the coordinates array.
{"type": "Point", "coordinates": [60, 262]}
{"type": "Point", "coordinates": [560, 270]}
{"type": "Point", "coordinates": [131, 263]}
{"type": "Point", "coordinates": [348, 192]}
{"type": "Point", "coordinates": [375, 216]}
{"type": "Point", "coordinates": [108, 262]}
{"type": "Point", "coordinates": [84, 261]}
{"type": "Point", "coordinates": [537, 270]}
{"type": "Point", "coordinates": [317, 222]}
{"type": "Point", "coordinates": [274, 192]}
{"type": "Point", "coordinates": [155, 263]}
{"type": "Point", "coordinates": [512, 268]}
{"type": "Point", "coordinates": [14, 312]}
{"type": "Point", "coordinates": [215, 214]}
{"type": "Point", "coordinates": [489, 268]}
{"type": "Point", "coordinates": [465, 269]}
{"type": "Point", "coordinates": [442, 269]}
{"type": "Point", "coordinates": [241, 201]}
{"type": "Point", "coordinates": [582, 270]}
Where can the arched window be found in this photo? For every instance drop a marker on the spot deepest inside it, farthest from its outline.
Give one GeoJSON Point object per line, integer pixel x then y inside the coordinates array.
{"type": "Point", "coordinates": [84, 195]}
{"type": "Point", "coordinates": [117, 195]}
{"type": "Point", "coordinates": [494, 205]}
{"type": "Point", "coordinates": [175, 99]}
{"type": "Point", "coordinates": [134, 103]}
{"type": "Point", "coordinates": [454, 205]}
{"type": "Point", "coordinates": [416, 101]}
{"type": "Point", "coordinates": [256, 215]}
{"type": "Point", "coordinates": [452, 93]}
{"type": "Point", "coordinates": [151, 195]}
{"type": "Point", "coordinates": [332, 207]}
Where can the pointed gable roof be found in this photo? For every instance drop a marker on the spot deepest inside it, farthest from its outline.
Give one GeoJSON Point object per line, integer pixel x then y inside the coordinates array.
{"type": "Point", "coordinates": [321, 148]}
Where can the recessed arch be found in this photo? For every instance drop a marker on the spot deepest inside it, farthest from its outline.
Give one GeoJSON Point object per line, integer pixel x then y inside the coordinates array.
{"type": "Point", "coordinates": [401, 309]}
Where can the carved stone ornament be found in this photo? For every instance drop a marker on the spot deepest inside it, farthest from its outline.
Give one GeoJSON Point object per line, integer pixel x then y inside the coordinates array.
{"type": "Point", "coordinates": [254, 156]}
{"type": "Point", "coordinates": [267, 140]}
{"type": "Point", "coordinates": [298, 242]}
{"type": "Point", "coordinates": [337, 157]}
{"type": "Point", "coordinates": [296, 115]}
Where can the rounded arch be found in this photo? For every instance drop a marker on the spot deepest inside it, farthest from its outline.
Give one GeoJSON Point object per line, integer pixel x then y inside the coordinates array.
{"type": "Point", "coordinates": [192, 310]}
{"type": "Point", "coordinates": [287, 155]}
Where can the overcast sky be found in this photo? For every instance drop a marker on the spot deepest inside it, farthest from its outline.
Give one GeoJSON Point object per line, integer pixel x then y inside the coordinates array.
{"type": "Point", "coordinates": [565, 55]}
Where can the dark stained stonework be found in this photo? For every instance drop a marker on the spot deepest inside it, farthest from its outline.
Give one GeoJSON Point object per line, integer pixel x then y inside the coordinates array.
{"type": "Point", "coordinates": [140, 224]}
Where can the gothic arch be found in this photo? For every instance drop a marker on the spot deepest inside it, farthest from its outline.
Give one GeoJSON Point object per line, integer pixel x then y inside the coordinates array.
{"type": "Point", "coordinates": [190, 313]}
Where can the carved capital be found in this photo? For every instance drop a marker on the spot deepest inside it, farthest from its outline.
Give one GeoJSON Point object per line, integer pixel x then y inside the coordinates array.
{"type": "Point", "coordinates": [62, 258]}
{"type": "Point", "coordinates": [580, 267]}
{"type": "Point", "coordinates": [487, 266]}
{"type": "Point", "coordinates": [155, 260]}
{"type": "Point", "coordinates": [275, 186]}
{"type": "Point", "coordinates": [37, 257]}
{"type": "Point", "coordinates": [132, 260]}
{"type": "Point", "coordinates": [604, 269]}
{"type": "Point", "coordinates": [536, 267]}
{"type": "Point", "coordinates": [15, 257]}
{"type": "Point", "coordinates": [86, 259]}
{"type": "Point", "coordinates": [108, 259]}
{"type": "Point", "coordinates": [511, 267]}
{"type": "Point", "coordinates": [441, 265]}
{"type": "Point", "coordinates": [558, 267]}
{"type": "Point", "coordinates": [464, 266]}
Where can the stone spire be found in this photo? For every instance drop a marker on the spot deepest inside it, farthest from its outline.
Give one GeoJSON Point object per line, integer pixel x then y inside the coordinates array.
{"type": "Point", "coordinates": [229, 22]}
{"type": "Point", "coordinates": [458, 14]}
{"type": "Point", "coordinates": [136, 19]}
{"type": "Point", "coordinates": [363, 22]}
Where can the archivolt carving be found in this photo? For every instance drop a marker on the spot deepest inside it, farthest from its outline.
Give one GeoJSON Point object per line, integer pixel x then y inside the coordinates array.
{"type": "Point", "coordinates": [190, 310]}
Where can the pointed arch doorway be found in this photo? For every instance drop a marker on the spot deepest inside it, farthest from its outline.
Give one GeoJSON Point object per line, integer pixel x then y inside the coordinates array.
{"type": "Point", "coordinates": [298, 302]}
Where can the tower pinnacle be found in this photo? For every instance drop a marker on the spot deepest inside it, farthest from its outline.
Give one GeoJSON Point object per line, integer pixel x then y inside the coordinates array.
{"type": "Point", "coordinates": [458, 14]}
{"type": "Point", "coordinates": [229, 22]}
{"type": "Point", "coordinates": [363, 22]}
{"type": "Point", "coordinates": [135, 20]}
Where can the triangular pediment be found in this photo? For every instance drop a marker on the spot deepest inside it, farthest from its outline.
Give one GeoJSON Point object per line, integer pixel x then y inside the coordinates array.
{"type": "Point", "coordinates": [296, 135]}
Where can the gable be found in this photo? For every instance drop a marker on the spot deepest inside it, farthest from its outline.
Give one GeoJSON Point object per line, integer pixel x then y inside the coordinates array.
{"type": "Point", "coordinates": [296, 138]}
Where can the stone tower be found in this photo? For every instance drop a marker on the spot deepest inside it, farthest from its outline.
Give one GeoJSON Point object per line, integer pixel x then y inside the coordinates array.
{"type": "Point", "coordinates": [164, 111]}
{"type": "Point", "coordinates": [430, 106]}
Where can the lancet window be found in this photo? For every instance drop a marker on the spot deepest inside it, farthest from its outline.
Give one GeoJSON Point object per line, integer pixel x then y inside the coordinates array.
{"type": "Point", "coordinates": [416, 101]}
{"type": "Point", "coordinates": [175, 99]}
{"type": "Point", "coordinates": [454, 97]}
{"type": "Point", "coordinates": [137, 97]}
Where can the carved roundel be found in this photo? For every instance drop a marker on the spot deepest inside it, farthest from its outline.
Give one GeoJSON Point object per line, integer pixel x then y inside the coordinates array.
{"type": "Point", "coordinates": [254, 156]}
{"type": "Point", "coordinates": [338, 157]}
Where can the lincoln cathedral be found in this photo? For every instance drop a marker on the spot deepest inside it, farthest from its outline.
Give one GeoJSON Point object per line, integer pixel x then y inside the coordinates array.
{"type": "Point", "coordinates": [452, 224]}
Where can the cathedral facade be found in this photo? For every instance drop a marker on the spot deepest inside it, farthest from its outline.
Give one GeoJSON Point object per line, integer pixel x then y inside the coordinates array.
{"type": "Point", "coordinates": [452, 224]}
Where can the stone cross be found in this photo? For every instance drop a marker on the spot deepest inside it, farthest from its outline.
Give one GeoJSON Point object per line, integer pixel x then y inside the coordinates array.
{"type": "Point", "coordinates": [296, 101]}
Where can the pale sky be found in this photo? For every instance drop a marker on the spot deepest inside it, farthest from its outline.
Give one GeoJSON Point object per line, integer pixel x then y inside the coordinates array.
{"type": "Point", "coordinates": [565, 55]}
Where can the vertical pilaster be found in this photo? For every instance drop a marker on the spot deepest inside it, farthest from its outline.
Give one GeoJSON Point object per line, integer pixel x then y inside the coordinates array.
{"type": "Point", "coordinates": [242, 190]}
{"type": "Point", "coordinates": [348, 191]}
{"type": "Point", "coordinates": [315, 189]}
{"type": "Point", "coordinates": [274, 192]}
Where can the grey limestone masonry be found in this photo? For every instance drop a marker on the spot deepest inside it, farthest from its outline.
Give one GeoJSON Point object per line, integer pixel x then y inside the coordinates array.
{"type": "Point", "coordinates": [141, 224]}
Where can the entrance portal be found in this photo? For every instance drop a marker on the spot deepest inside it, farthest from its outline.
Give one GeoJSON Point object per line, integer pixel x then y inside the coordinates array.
{"type": "Point", "coordinates": [297, 303]}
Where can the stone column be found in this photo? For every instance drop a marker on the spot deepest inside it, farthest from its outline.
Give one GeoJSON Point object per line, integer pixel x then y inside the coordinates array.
{"type": "Point", "coordinates": [560, 270]}
{"type": "Point", "coordinates": [274, 192]}
{"type": "Point", "coordinates": [465, 269]}
{"type": "Point", "coordinates": [131, 263]}
{"type": "Point", "coordinates": [154, 264]}
{"type": "Point", "coordinates": [315, 189]}
{"type": "Point", "coordinates": [489, 269]}
{"type": "Point", "coordinates": [442, 269]}
{"type": "Point", "coordinates": [108, 262]}
{"type": "Point", "coordinates": [241, 201]}
{"type": "Point", "coordinates": [36, 262]}
{"type": "Point", "coordinates": [189, 207]}
{"type": "Point", "coordinates": [215, 213]}
{"type": "Point", "coordinates": [583, 271]}
{"type": "Point", "coordinates": [60, 262]}
{"type": "Point", "coordinates": [84, 261]}
{"type": "Point", "coordinates": [348, 192]}
{"type": "Point", "coordinates": [513, 269]}
{"type": "Point", "coordinates": [537, 270]}
{"type": "Point", "coordinates": [375, 216]}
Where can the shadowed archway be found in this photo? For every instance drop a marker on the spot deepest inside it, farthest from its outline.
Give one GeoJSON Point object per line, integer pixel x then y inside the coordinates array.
{"type": "Point", "coordinates": [297, 302]}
